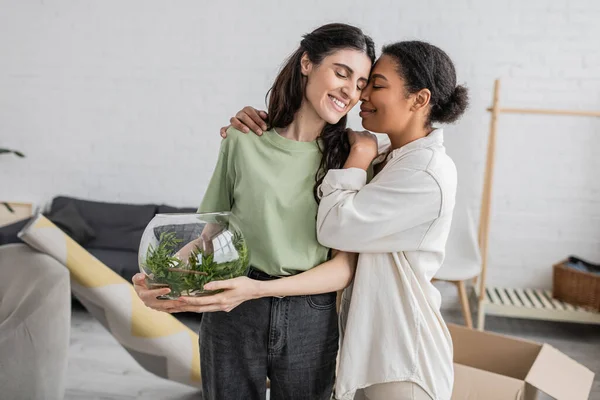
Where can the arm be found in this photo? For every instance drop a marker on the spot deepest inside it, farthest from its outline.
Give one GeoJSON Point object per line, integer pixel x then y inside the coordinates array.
{"type": "Point", "coordinates": [333, 275]}
{"type": "Point", "coordinates": [251, 119]}
{"type": "Point", "coordinates": [357, 217]}
{"type": "Point", "coordinates": [330, 276]}
{"type": "Point", "coordinates": [374, 218]}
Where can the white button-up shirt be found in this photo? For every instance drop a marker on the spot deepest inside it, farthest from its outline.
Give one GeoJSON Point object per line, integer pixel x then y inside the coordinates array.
{"type": "Point", "coordinates": [390, 318]}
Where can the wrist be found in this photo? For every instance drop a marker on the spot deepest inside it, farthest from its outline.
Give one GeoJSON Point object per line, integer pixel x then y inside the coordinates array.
{"type": "Point", "coordinates": [363, 148]}
{"type": "Point", "coordinates": [363, 151]}
{"type": "Point", "coordinates": [356, 160]}
{"type": "Point", "coordinates": [261, 289]}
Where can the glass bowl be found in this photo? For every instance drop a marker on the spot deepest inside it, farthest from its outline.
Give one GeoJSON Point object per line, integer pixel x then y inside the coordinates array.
{"type": "Point", "coordinates": [186, 251]}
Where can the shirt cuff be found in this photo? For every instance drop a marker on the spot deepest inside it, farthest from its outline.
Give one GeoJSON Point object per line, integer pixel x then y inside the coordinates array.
{"type": "Point", "coordinates": [342, 179]}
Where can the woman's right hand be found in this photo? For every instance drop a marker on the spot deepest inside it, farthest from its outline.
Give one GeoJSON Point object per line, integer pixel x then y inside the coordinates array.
{"type": "Point", "coordinates": [149, 296]}
{"type": "Point", "coordinates": [248, 118]}
{"type": "Point", "coordinates": [363, 149]}
{"type": "Point", "coordinates": [363, 141]}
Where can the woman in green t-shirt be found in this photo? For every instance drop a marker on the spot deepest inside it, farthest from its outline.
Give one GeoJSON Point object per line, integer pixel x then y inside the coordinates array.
{"type": "Point", "coordinates": [270, 184]}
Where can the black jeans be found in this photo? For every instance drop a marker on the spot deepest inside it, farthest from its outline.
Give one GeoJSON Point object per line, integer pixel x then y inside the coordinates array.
{"type": "Point", "coordinates": [291, 340]}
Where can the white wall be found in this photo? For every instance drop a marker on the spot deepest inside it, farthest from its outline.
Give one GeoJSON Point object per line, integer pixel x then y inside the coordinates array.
{"type": "Point", "coordinates": [122, 101]}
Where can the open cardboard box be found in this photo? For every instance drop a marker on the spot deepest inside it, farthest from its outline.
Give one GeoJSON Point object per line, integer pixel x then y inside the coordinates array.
{"type": "Point", "coordinates": [489, 366]}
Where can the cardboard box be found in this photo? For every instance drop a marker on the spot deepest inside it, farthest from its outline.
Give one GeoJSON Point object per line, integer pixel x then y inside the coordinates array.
{"type": "Point", "coordinates": [489, 366]}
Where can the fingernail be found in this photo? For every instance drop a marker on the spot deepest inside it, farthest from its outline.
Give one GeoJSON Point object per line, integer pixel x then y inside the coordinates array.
{"type": "Point", "coordinates": [259, 132]}
{"type": "Point", "coordinates": [246, 130]}
{"type": "Point", "coordinates": [264, 127]}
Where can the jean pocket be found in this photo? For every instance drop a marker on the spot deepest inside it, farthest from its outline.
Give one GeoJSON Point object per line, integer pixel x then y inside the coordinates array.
{"type": "Point", "coordinates": [324, 301]}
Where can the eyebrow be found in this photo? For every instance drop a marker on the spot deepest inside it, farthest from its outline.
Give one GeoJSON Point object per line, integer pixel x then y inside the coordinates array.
{"type": "Point", "coordinates": [378, 76]}
{"type": "Point", "coordinates": [350, 71]}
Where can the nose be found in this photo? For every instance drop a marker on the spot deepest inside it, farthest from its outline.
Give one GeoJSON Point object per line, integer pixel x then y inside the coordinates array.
{"type": "Point", "coordinates": [350, 91]}
{"type": "Point", "coordinates": [366, 93]}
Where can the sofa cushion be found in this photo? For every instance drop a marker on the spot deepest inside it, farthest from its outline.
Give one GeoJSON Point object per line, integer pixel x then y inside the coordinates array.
{"type": "Point", "coordinates": [117, 226]}
{"type": "Point", "coordinates": [8, 233]}
{"type": "Point", "coordinates": [122, 238]}
{"type": "Point", "coordinates": [185, 233]}
{"type": "Point", "coordinates": [124, 263]}
{"type": "Point", "coordinates": [70, 221]}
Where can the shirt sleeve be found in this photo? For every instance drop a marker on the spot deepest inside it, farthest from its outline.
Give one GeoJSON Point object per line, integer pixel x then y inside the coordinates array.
{"type": "Point", "coordinates": [378, 217]}
{"type": "Point", "coordinates": [219, 193]}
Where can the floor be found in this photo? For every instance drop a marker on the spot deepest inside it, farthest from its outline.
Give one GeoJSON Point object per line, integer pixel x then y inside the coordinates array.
{"type": "Point", "coordinates": [100, 369]}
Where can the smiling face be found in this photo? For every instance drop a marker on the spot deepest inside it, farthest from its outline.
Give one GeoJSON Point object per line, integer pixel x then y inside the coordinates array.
{"type": "Point", "coordinates": [385, 107]}
{"type": "Point", "coordinates": [334, 86]}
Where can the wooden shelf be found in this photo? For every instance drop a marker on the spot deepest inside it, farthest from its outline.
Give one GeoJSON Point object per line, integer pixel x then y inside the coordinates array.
{"type": "Point", "coordinates": [21, 211]}
{"type": "Point", "coordinates": [533, 304]}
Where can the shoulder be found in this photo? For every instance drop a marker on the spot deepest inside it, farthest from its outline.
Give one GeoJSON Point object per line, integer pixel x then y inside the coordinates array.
{"type": "Point", "coordinates": [430, 159]}
{"type": "Point", "coordinates": [234, 135]}
{"type": "Point", "coordinates": [237, 139]}
{"type": "Point", "coordinates": [418, 159]}
{"type": "Point", "coordinates": [443, 168]}
{"type": "Point", "coordinates": [428, 165]}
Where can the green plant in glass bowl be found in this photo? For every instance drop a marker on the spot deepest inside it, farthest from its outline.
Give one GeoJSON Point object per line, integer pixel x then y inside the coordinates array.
{"type": "Point", "coordinates": [186, 251]}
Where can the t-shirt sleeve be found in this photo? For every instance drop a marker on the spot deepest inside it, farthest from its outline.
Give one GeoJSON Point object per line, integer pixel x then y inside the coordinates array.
{"type": "Point", "coordinates": [219, 193]}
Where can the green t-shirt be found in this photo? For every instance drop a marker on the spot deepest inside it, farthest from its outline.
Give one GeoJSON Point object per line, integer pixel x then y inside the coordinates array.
{"type": "Point", "coordinates": [267, 183]}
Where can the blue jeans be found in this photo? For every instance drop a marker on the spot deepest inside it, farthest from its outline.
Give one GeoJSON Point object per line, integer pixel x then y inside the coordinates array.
{"type": "Point", "coordinates": [292, 340]}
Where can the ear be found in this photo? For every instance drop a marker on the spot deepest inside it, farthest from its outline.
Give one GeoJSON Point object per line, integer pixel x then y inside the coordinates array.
{"type": "Point", "coordinates": [421, 99]}
{"type": "Point", "coordinates": [305, 64]}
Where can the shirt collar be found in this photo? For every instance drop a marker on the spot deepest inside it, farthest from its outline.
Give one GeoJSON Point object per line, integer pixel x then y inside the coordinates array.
{"type": "Point", "coordinates": [435, 138]}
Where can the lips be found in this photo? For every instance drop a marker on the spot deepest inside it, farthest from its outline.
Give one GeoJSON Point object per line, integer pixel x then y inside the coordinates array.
{"type": "Point", "coordinates": [338, 104]}
{"type": "Point", "coordinates": [365, 111]}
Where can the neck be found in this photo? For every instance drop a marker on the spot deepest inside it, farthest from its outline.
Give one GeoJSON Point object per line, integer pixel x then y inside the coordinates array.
{"type": "Point", "coordinates": [306, 126]}
{"type": "Point", "coordinates": [413, 131]}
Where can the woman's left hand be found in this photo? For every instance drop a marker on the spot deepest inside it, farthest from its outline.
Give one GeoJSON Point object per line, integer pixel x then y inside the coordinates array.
{"type": "Point", "coordinates": [235, 292]}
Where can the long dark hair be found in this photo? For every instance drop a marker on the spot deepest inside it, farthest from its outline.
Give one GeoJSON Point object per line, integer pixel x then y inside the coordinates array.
{"type": "Point", "coordinates": [425, 66]}
{"type": "Point", "coordinates": [286, 95]}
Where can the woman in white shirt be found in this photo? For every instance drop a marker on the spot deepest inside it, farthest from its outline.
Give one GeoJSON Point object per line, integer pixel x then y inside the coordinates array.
{"type": "Point", "coordinates": [394, 338]}
{"type": "Point", "coordinates": [395, 343]}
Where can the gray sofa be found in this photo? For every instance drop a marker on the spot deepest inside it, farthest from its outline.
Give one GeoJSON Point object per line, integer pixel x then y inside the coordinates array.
{"type": "Point", "coordinates": [109, 231]}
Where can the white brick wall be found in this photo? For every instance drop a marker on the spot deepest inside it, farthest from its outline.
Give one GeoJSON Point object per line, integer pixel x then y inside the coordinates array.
{"type": "Point", "coordinates": [122, 101]}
